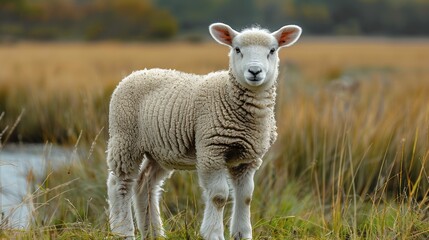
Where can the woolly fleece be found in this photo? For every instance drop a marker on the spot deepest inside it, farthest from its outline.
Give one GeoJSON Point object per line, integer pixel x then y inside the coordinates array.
{"type": "Point", "coordinates": [173, 117]}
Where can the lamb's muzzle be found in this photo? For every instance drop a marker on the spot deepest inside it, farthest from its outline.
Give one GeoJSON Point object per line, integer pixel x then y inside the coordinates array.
{"type": "Point", "coordinates": [220, 124]}
{"type": "Point", "coordinates": [254, 75]}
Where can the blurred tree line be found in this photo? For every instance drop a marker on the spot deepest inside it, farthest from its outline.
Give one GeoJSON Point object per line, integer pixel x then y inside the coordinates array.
{"type": "Point", "coordinates": [82, 19]}
{"type": "Point", "coordinates": [347, 17]}
{"type": "Point", "coordinates": [162, 19]}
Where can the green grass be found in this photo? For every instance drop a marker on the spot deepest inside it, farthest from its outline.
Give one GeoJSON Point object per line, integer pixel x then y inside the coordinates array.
{"type": "Point", "coordinates": [350, 161]}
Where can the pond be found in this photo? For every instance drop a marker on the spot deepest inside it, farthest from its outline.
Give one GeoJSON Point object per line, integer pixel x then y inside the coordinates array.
{"type": "Point", "coordinates": [23, 168]}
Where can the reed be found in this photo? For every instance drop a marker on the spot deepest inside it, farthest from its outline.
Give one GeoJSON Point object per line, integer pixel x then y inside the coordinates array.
{"type": "Point", "coordinates": [350, 161]}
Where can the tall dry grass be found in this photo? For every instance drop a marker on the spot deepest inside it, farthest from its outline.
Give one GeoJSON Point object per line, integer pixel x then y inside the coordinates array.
{"type": "Point", "coordinates": [350, 161]}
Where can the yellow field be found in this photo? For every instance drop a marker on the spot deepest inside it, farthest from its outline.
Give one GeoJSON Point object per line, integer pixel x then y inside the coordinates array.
{"type": "Point", "coordinates": [62, 65]}
{"type": "Point", "coordinates": [32, 75]}
{"type": "Point", "coordinates": [353, 119]}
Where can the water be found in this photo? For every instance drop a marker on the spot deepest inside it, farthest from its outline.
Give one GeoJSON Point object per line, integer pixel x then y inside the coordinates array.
{"type": "Point", "coordinates": [22, 169]}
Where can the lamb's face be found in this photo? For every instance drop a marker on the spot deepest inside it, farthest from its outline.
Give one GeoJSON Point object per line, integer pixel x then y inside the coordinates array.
{"type": "Point", "coordinates": [254, 64]}
{"type": "Point", "coordinates": [254, 52]}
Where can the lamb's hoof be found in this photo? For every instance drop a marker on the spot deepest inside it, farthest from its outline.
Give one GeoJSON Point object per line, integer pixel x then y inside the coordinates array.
{"type": "Point", "coordinates": [214, 236]}
{"type": "Point", "coordinates": [240, 236]}
{"type": "Point", "coordinates": [120, 237]}
{"type": "Point", "coordinates": [211, 237]}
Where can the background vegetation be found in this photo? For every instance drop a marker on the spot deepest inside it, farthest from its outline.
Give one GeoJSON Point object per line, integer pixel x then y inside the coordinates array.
{"type": "Point", "coordinates": [84, 20]}
{"type": "Point", "coordinates": [164, 19]}
{"type": "Point", "coordinates": [344, 17]}
{"type": "Point", "coordinates": [350, 162]}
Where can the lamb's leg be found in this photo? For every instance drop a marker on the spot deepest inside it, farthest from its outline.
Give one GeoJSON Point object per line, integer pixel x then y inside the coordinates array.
{"type": "Point", "coordinates": [215, 190]}
{"type": "Point", "coordinates": [123, 162]}
{"type": "Point", "coordinates": [119, 192]}
{"type": "Point", "coordinates": [146, 198]}
{"type": "Point", "coordinates": [242, 183]}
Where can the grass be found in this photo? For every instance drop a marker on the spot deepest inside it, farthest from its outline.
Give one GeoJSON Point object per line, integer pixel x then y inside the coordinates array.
{"type": "Point", "coordinates": [350, 161]}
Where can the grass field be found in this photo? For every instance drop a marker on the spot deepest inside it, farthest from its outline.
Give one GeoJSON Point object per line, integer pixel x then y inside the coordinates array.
{"type": "Point", "coordinates": [350, 161]}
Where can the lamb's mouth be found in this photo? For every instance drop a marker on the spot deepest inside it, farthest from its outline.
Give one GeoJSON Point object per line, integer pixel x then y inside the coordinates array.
{"type": "Point", "coordinates": [254, 81]}
{"type": "Point", "coordinates": [254, 78]}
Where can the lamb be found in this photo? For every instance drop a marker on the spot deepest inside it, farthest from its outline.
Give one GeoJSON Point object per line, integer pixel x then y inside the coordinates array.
{"type": "Point", "coordinates": [220, 124]}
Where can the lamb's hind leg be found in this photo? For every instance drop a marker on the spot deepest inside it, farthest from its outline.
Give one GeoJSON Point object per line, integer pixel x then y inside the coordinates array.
{"type": "Point", "coordinates": [123, 161]}
{"type": "Point", "coordinates": [242, 183]}
{"type": "Point", "coordinates": [146, 198]}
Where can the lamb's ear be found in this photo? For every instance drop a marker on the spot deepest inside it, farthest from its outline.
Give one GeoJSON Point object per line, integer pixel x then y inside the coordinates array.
{"type": "Point", "coordinates": [287, 35]}
{"type": "Point", "coordinates": [222, 33]}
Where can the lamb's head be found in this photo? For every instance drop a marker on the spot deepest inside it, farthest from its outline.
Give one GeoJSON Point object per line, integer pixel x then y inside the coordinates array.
{"type": "Point", "coordinates": [254, 52]}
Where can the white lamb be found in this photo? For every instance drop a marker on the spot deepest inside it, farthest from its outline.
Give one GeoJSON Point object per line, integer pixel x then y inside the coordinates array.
{"type": "Point", "coordinates": [220, 124]}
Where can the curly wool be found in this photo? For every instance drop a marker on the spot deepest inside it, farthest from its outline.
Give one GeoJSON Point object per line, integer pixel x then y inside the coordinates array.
{"type": "Point", "coordinates": [254, 36]}
{"type": "Point", "coordinates": [170, 115]}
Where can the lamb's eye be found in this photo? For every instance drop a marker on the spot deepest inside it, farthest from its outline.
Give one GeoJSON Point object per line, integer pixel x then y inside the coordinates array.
{"type": "Point", "coordinates": [237, 50]}
{"type": "Point", "coordinates": [272, 51]}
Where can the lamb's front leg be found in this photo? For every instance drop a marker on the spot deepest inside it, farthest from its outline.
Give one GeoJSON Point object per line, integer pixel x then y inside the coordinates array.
{"type": "Point", "coordinates": [242, 183]}
{"type": "Point", "coordinates": [215, 190]}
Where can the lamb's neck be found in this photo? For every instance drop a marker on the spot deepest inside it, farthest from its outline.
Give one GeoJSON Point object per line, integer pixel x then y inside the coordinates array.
{"type": "Point", "coordinates": [257, 103]}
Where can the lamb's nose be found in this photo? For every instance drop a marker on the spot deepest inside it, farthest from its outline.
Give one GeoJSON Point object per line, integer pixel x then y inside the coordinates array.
{"type": "Point", "coordinates": [255, 70]}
